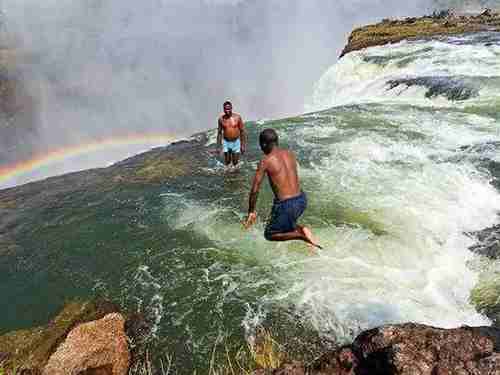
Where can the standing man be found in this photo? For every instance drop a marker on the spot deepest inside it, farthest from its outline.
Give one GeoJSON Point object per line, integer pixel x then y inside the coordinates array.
{"type": "Point", "coordinates": [280, 166]}
{"type": "Point", "coordinates": [231, 135]}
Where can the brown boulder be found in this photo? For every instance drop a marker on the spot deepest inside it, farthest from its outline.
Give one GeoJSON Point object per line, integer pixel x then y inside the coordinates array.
{"type": "Point", "coordinates": [98, 347]}
{"type": "Point", "coordinates": [419, 349]}
{"type": "Point", "coordinates": [489, 365]}
{"type": "Point", "coordinates": [295, 368]}
{"type": "Point", "coordinates": [340, 362]}
{"type": "Point", "coordinates": [414, 349]}
{"type": "Point", "coordinates": [29, 350]}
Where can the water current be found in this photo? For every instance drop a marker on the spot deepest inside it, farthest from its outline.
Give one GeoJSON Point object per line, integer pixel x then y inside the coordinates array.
{"type": "Point", "coordinates": [398, 151]}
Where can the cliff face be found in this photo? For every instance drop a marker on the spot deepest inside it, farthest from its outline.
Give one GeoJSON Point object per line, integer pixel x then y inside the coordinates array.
{"type": "Point", "coordinates": [17, 106]}
{"type": "Point", "coordinates": [445, 23]}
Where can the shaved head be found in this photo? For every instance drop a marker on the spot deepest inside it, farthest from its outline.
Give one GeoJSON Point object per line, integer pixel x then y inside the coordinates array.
{"type": "Point", "coordinates": [268, 138]}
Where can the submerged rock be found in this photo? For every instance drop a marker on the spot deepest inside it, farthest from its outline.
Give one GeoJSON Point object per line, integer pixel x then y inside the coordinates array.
{"type": "Point", "coordinates": [488, 243]}
{"type": "Point", "coordinates": [454, 89]}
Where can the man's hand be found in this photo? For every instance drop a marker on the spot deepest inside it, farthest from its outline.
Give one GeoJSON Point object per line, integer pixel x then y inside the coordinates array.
{"type": "Point", "coordinates": [251, 219]}
{"type": "Point", "coordinates": [243, 149]}
{"type": "Point", "coordinates": [220, 151]}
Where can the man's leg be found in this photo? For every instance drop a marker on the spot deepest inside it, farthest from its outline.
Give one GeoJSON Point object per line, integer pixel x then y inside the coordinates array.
{"type": "Point", "coordinates": [287, 236]}
{"type": "Point", "coordinates": [236, 158]}
{"type": "Point", "coordinates": [236, 151]}
{"type": "Point", "coordinates": [283, 224]}
{"type": "Point", "coordinates": [227, 157]}
{"type": "Point", "coordinates": [301, 233]}
{"type": "Point", "coordinates": [309, 236]}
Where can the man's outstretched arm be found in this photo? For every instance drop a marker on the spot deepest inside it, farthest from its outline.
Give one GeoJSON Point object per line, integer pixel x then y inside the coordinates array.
{"type": "Point", "coordinates": [254, 193]}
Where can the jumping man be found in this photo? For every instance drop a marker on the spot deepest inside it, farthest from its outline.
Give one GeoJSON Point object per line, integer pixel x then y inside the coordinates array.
{"type": "Point", "coordinates": [231, 135]}
{"type": "Point", "coordinates": [280, 165]}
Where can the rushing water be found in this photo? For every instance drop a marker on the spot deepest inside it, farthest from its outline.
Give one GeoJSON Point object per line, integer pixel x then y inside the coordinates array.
{"type": "Point", "coordinates": [396, 157]}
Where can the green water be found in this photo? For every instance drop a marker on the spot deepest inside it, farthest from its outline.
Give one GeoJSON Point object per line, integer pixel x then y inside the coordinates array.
{"type": "Point", "coordinates": [392, 190]}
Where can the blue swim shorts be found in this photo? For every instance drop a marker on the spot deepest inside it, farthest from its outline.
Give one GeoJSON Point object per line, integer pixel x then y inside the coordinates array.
{"type": "Point", "coordinates": [233, 146]}
{"type": "Point", "coordinates": [284, 215]}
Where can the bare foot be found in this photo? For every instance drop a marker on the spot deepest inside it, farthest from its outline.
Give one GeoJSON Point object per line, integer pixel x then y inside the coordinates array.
{"type": "Point", "coordinates": [309, 238]}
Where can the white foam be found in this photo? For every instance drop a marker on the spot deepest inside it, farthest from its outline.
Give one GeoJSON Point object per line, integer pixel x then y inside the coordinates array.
{"type": "Point", "coordinates": [357, 78]}
{"type": "Point", "coordinates": [394, 173]}
{"type": "Point", "coordinates": [390, 193]}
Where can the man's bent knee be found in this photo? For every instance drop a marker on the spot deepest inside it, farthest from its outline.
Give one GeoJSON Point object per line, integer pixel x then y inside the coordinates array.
{"type": "Point", "coordinates": [268, 235]}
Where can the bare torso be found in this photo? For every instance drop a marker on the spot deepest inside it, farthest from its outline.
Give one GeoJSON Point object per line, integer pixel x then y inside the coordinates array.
{"type": "Point", "coordinates": [281, 169]}
{"type": "Point", "coordinates": [231, 126]}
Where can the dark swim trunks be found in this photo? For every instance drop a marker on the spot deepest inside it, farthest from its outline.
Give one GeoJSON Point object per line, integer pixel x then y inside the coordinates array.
{"type": "Point", "coordinates": [285, 214]}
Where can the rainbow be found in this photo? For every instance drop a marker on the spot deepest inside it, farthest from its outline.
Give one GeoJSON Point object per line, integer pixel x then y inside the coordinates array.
{"type": "Point", "coordinates": [19, 168]}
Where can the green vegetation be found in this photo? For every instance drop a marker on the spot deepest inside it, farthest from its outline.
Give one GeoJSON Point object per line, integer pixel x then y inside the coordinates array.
{"type": "Point", "coordinates": [266, 353]}
{"type": "Point", "coordinates": [12, 370]}
{"type": "Point", "coordinates": [486, 296]}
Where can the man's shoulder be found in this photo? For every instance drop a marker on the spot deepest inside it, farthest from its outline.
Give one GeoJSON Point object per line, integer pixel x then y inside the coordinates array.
{"type": "Point", "coordinates": [270, 159]}
{"type": "Point", "coordinates": [263, 162]}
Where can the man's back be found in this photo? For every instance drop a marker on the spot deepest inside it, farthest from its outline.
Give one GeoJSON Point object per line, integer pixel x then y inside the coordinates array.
{"type": "Point", "coordinates": [281, 169]}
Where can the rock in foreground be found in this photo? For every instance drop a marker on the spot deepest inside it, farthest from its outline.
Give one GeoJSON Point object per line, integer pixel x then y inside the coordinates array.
{"type": "Point", "coordinates": [411, 349]}
{"type": "Point", "coordinates": [101, 345]}
{"type": "Point", "coordinates": [27, 351]}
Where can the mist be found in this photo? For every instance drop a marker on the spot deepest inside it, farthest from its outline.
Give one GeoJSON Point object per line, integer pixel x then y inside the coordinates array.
{"type": "Point", "coordinates": [96, 69]}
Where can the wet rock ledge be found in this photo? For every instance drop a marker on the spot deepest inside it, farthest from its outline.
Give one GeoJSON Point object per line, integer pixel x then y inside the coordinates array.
{"type": "Point", "coordinates": [94, 338]}
{"type": "Point", "coordinates": [409, 349]}
{"type": "Point", "coordinates": [86, 338]}
{"type": "Point", "coordinates": [443, 23]}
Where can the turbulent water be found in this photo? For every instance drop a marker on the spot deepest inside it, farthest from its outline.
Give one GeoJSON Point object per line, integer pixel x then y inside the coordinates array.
{"type": "Point", "coordinates": [399, 157]}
